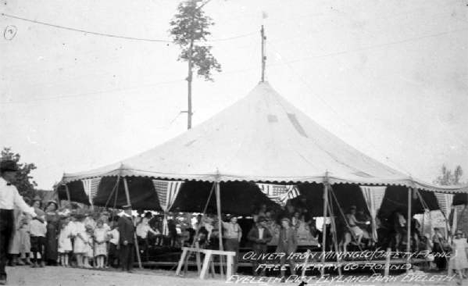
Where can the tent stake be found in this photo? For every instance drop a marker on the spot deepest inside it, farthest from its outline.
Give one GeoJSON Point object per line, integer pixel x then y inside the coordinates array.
{"type": "Point", "coordinates": [220, 226]}
{"type": "Point", "coordinates": [324, 233]}
{"type": "Point", "coordinates": [137, 248]}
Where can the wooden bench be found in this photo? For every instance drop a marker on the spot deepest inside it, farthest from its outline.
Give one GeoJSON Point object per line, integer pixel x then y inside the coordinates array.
{"type": "Point", "coordinates": [207, 260]}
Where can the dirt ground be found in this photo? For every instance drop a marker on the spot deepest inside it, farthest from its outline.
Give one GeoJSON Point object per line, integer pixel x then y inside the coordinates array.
{"type": "Point", "coordinates": [58, 276]}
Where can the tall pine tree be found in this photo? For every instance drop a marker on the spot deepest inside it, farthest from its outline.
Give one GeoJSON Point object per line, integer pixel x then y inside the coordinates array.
{"type": "Point", "coordinates": [189, 29]}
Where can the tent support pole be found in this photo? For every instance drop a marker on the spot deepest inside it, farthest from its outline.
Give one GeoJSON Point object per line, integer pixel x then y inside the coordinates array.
{"type": "Point", "coordinates": [324, 233]}
{"type": "Point", "coordinates": [220, 225]}
{"type": "Point", "coordinates": [68, 194]}
{"type": "Point", "coordinates": [423, 222]}
{"type": "Point", "coordinates": [408, 223]}
{"type": "Point", "coordinates": [55, 196]}
{"type": "Point", "coordinates": [116, 191]}
{"type": "Point", "coordinates": [334, 232]}
{"type": "Point", "coordinates": [137, 248]}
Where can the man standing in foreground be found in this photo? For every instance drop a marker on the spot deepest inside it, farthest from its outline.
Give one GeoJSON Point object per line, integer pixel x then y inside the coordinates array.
{"type": "Point", "coordinates": [260, 236]}
{"type": "Point", "coordinates": [9, 199]}
{"type": "Point", "coordinates": [127, 234]}
{"type": "Point", "coordinates": [232, 235]}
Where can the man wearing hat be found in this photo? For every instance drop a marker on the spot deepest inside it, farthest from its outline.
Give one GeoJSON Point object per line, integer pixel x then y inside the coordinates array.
{"type": "Point", "coordinates": [260, 236]}
{"type": "Point", "coordinates": [9, 199]}
{"type": "Point", "coordinates": [232, 237]}
{"type": "Point", "coordinates": [126, 240]}
{"type": "Point", "coordinates": [287, 244]}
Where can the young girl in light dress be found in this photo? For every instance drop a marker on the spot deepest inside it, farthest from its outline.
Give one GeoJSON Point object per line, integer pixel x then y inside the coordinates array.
{"type": "Point", "coordinates": [458, 258]}
{"type": "Point", "coordinates": [81, 240]}
{"type": "Point", "coordinates": [89, 249]}
{"type": "Point", "coordinates": [64, 242]}
{"type": "Point", "coordinates": [100, 243]}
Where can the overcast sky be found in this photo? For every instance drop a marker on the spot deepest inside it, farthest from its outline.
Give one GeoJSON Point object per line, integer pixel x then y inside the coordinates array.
{"type": "Point", "coordinates": [388, 77]}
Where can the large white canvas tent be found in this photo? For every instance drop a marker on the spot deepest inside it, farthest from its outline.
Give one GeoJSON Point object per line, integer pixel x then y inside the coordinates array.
{"type": "Point", "coordinates": [261, 138]}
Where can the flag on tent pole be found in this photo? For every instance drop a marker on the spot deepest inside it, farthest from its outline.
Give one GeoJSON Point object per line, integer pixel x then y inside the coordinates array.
{"type": "Point", "coordinates": [91, 187]}
{"type": "Point", "coordinates": [279, 194]}
{"type": "Point", "coordinates": [374, 198]}
{"type": "Point", "coordinates": [167, 192]}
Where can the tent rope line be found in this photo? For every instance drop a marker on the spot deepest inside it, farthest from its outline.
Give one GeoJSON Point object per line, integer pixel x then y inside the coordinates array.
{"type": "Point", "coordinates": [113, 190]}
{"type": "Point", "coordinates": [203, 213]}
{"type": "Point", "coordinates": [115, 199]}
{"type": "Point", "coordinates": [333, 226]}
{"type": "Point", "coordinates": [116, 192]}
{"type": "Point", "coordinates": [422, 200]}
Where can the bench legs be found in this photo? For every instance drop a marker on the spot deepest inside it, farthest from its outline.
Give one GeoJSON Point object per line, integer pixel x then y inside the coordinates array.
{"type": "Point", "coordinates": [230, 264]}
{"type": "Point", "coordinates": [206, 264]}
{"type": "Point", "coordinates": [181, 261]}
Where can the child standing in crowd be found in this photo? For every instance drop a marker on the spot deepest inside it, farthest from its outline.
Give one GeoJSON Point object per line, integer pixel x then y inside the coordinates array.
{"type": "Point", "coordinates": [89, 220]}
{"type": "Point", "coordinates": [114, 237]}
{"type": "Point", "coordinates": [81, 238]}
{"type": "Point", "coordinates": [89, 249]}
{"type": "Point", "coordinates": [25, 240]}
{"type": "Point", "coordinates": [458, 258]}
{"type": "Point", "coordinates": [38, 232]}
{"type": "Point", "coordinates": [19, 244]}
{"type": "Point", "coordinates": [100, 244]}
{"type": "Point", "coordinates": [105, 219]}
{"type": "Point", "coordinates": [64, 243]}
{"type": "Point", "coordinates": [71, 226]}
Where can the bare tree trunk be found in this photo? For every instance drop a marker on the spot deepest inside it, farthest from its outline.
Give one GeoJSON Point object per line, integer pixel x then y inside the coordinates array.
{"type": "Point", "coordinates": [189, 86]}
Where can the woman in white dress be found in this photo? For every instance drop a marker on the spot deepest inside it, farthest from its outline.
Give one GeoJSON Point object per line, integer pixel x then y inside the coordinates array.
{"type": "Point", "coordinates": [20, 245]}
{"type": "Point", "coordinates": [458, 259]}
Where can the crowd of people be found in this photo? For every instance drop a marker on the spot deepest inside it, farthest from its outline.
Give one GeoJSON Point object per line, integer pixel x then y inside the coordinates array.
{"type": "Point", "coordinates": [277, 227]}
{"type": "Point", "coordinates": [68, 237]}
{"type": "Point", "coordinates": [354, 226]}
{"type": "Point", "coordinates": [37, 234]}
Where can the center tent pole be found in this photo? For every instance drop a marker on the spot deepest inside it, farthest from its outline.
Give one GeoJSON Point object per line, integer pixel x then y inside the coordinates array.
{"type": "Point", "coordinates": [324, 232]}
{"type": "Point", "coordinates": [137, 248]}
{"type": "Point", "coordinates": [220, 224]}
